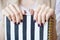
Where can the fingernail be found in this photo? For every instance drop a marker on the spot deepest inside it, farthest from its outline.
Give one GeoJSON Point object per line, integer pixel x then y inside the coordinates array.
{"type": "Point", "coordinates": [21, 20]}
{"type": "Point", "coordinates": [38, 25]}
{"type": "Point", "coordinates": [34, 20]}
{"type": "Point", "coordinates": [41, 24]}
{"type": "Point", "coordinates": [11, 19]}
{"type": "Point", "coordinates": [15, 22]}
{"type": "Point", "coordinates": [25, 12]}
{"type": "Point", "coordinates": [19, 23]}
{"type": "Point", "coordinates": [45, 20]}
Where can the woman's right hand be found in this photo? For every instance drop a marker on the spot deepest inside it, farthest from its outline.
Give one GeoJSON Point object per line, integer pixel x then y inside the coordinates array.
{"type": "Point", "coordinates": [13, 13]}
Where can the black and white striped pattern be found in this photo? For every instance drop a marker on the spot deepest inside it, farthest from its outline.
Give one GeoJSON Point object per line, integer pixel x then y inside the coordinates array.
{"type": "Point", "coordinates": [26, 30]}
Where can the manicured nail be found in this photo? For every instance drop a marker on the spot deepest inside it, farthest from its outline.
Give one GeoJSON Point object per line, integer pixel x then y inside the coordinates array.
{"type": "Point", "coordinates": [15, 22]}
{"type": "Point", "coordinates": [11, 19]}
{"type": "Point", "coordinates": [19, 23]}
{"type": "Point", "coordinates": [34, 20]}
{"type": "Point", "coordinates": [41, 24]}
{"type": "Point", "coordinates": [25, 12]}
{"type": "Point", "coordinates": [38, 25]}
{"type": "Point", "coordinates": [21, 20]}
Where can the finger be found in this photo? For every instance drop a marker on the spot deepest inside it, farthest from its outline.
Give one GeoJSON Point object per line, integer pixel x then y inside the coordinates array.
{"type": "Point", "coordinates": [12, 15]}
{"type": "Point", "coordinates": [17, 15]}
{"type": "Point", "coordinates": [36, 12]}
{"type": "Point", "coordinates": [9, 17]}
{"type": "Point", "coordinates": [19, 11]}
{"type": "Point", "coordinates": [6, 14]}
{"type": "Point", "coordinates": [44, 14]}
{"type": "Point", "coordinates": [24, 12]}
{"type": "Point", "coordinates": [31, 11]}
{"type": "Point", "coordinates": [49, 14]}
{"type": "Point", "coordinates": [40, 14]}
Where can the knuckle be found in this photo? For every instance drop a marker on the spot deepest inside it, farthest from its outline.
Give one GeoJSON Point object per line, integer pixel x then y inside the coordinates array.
{"type": "Point", "coordinates": [51, 10]}
{"type": "Point", "coordinates": [6, 8]}
{"type": "Point", "coordinates": [14, 4]}
{"type": "Point", "coordinates": [46, 9]}
{"type": "Point", "coordinates": [12, 14]}
{"type": "Point", "coordinates": [15, 12]}
{"type": "Point", "coordinates": [10, 5]}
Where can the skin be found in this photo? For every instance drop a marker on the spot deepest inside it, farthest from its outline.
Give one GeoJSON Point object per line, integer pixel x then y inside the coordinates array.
{"type": "Point", "coordinates": [41, 13]}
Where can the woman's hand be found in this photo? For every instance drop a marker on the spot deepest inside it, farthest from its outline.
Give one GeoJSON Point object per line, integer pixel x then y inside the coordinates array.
{"type": "Point", "coordinates": [42, 14]}
{"type": "Point", "coordinates": [13, 13]}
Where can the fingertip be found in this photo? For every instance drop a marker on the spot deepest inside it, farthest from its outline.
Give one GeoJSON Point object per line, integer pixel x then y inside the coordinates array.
{"type": "Point", "coordinates": [10, 19]}
{"type": "Point", "coordinates": [39, 22]}
{"type": "Point", "coordinates": [21, 20]}
{"type": "Point", "coordinates": [19, 23]}
{"type": "Point", "coordinates": [21, 17]}
{"type": "Point", "coordinates": [15, 23]}
{"type": "Point", "coordinates": [39, 25]}
{"type": "Point", "coordinates": [31, 11]}
{"type": "Point", "coordinates": [23, 12]}
{"type": "Point", "coordinates": [35, 17]}
{"type": "Point", "coordinates": [34, 20]}
{"type": "Point", "coordinates": [43, 22]}
{"type": "Point", "coordinates": [46, 19]}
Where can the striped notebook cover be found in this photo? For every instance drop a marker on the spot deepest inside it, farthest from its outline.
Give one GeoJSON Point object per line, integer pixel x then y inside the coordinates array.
{"type": "Point", "coordinates": [27, 30]}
